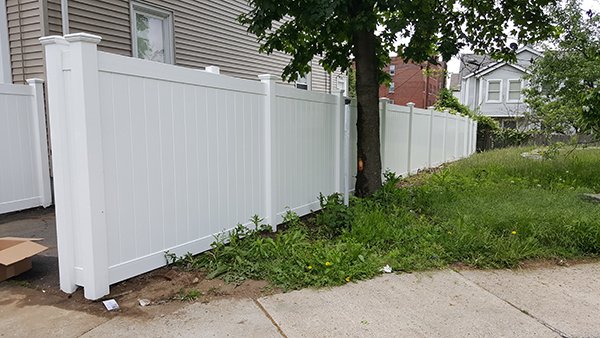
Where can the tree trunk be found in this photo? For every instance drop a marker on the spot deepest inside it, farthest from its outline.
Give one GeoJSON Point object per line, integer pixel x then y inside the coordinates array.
{"type": "Point", "coordinates": [368, 178]}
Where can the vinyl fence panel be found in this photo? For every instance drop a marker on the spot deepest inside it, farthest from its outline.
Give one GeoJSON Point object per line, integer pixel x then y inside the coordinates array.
{"type": "Point", "coordinates": [24, 168]}
{"type": "Point", "coordinates": [154, 158]}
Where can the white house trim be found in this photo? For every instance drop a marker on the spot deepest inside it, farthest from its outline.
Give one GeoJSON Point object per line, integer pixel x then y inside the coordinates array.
{"type": "Point", "coordinates": [487, 90]}
{"type": "Point", "coordinates": [168, 28]}
{"type": "Point", "coordinates": [529, 49]}
{"type": "Point", "coordinates": [499, 64]}
{"type": "Point", "coordinates": [508, 100]}
{"type": "Point", "coordinates": [493, 67]}
{"type": "Point", "coordinates": [5, 69]}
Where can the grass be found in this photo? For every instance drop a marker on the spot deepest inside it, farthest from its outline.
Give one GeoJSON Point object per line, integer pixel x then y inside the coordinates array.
{"type": "Point", "coordinates": [492, 210]}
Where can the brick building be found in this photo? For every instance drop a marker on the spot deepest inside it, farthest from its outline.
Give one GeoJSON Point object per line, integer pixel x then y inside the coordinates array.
{"type": "Point", "coordinates": [409, 82]}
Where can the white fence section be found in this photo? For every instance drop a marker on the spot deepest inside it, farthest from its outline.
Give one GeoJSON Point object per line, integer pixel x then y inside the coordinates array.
{"type": "Point", "coordinates": [151, 157]}
{"type": "Point", "coordinates": [414, 138]}
{"type": "Point", "coordinates": [24, 172]}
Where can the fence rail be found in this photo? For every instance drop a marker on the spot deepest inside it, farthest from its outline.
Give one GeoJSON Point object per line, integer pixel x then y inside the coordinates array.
{"type": "Point", "coordinates": [24, 172]}
{"type": "Point", "coordinates": [151, 157]}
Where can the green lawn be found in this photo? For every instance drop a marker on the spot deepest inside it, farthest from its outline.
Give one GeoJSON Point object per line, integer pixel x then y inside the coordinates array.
{"type": "Point", "coordinates": [492, 210]}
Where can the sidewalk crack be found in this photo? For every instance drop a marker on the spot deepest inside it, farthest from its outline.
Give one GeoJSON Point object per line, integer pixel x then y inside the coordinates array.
{"type": "Point", "coordinates": [525, 312]}
{"type": "Point", "coordinates": [262, 308]}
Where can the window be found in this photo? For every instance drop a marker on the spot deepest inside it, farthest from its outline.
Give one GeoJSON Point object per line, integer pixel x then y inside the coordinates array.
{"type": "Point", "coordinates": [514, 91]}
{"type": "Point", "coordinates": [392, 70]}
{"type": "Point", "coordinates": [392, 87]}
{"type": "Point", "coordinates": [152, 33]}
{"type": "Point", "coordinates": [494, 90]}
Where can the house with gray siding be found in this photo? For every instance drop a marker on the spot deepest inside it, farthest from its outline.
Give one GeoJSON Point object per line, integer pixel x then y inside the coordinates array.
{"type": "Point", "coordinates": [190, 33]}
{"type": "Point", "coordinates": [494, 88]}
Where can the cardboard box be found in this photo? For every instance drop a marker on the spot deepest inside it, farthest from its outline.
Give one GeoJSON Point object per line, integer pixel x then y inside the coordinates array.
{"type": "Point", "coordinates": [15, 255]}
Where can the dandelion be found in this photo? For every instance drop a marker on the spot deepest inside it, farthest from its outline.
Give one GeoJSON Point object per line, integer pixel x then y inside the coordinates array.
{"type": "Point", "coordinates": [309, 267]}
{"type": "Point", "coordinates": [348, 279]}
{"type": "Point", "coordinates": [327, 263]}
{"type": "Point", "coordinates": [514, 232]}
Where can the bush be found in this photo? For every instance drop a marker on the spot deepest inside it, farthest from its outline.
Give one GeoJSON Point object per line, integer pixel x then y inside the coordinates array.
{"type": "Point", "coordinates": [507, 137]}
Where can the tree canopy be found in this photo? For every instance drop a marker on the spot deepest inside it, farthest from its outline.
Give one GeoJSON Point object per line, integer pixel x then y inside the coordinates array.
{"type": "Point", "coordinates": [367, 31]}
{"type": "Point", "coordinates": [564, 84]}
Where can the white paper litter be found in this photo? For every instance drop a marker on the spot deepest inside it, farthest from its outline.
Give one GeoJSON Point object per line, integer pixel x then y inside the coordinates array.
{"type": "Point", "coordinates": [111, 305]}
{"type": "Point", "coordinates": [387, 269]}
{"type": "Point", "coordinates": [144, 302]}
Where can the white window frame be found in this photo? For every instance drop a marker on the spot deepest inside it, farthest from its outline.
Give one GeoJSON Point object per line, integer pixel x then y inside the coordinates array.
{"type": "Point", "coordinates": [392, 88]}
{"type": "Point", "coordinates": [508, 100]}
{"type": "Point", "coordinates": [487, 91]}
{"type": "Point", "coordinates": [392, 70]}
{"type": "Point", "coordinates": [159, 13]}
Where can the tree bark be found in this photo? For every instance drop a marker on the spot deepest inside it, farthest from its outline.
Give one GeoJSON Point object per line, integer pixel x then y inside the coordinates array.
{"type": "Point", "coordinates": [368, 178]}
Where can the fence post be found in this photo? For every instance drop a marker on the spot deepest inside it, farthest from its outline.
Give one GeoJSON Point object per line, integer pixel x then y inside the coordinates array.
{"type": "Point", "coordinates": [40, 138]}
{"type": "Point", "coordinates": [446, 113]}
{"type": "Point", "coordinates": [54, 48]}
{"type": "Point", "coordinates": [383, 108]}
{"type": "Point", "coordinates": [411, 107]}
{"type": "Point", "coordinates": [346, 156]}
{"type": "Point", "coordinates": [429, 164]}
{"type": "Point", "coordinates": [270, 82]}
{"type": "Point", "coordinates": [213, 69]}
{"type": "Point", "coordinates": [474, 145]}
{"type": "Point", "coordinates": [338, 135]}
{"type": "Point", "coordinates": [455, 138]}
{"type": "Point", "coordinates": [85, 143]}
{"type": "Point", "coordinates": [467, 136]}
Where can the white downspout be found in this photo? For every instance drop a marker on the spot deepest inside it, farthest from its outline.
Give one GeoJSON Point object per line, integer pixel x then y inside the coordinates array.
{"type": "Point", "coordinates": [5, 67]}
{"type": "Point", "coordinates": [64, 16]}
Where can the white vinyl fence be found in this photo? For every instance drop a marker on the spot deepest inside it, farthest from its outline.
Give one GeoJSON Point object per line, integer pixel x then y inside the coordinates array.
{"type": "Point", "coordinates": [151, 157]}
{"type": "Point", "coordinates": [414, 138]}
{"type": "Point", "coordinates": [24, 172]}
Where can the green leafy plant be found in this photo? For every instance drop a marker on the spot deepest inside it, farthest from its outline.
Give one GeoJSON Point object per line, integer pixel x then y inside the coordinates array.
{"type": "Point", "coordinates": [334, 216]}
{"type": "Point", "coordinates": [188, 295]}
{"type": "Point", "coordinates": [509, 137]}
{"type": "Point", "coordinates": [552, 151]}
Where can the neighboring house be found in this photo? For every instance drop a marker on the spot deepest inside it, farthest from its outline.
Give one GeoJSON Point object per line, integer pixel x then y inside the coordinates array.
{"type": "Point", "coordinates": [494, 88]}
{"type": "Point", "coordinates": [454, 85]}
{"type": "Point", "coordinates": [191, 33]}
{"type": "Point", "coordinates": [411, 83]}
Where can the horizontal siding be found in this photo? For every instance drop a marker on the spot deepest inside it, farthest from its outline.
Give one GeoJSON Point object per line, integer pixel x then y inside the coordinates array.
{"type": "Point", "coordinates": [54, 17]}
{"type": "Point", "coordinates": [206, 34]}
{"type": "Point", "coordinates": [24, 30]}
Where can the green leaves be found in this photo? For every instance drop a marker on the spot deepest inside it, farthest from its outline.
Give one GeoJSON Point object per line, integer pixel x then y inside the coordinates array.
{"type": "Point", "coordinates": [564, 83]}
{"type": "Point", "coordinates": [415, 29]}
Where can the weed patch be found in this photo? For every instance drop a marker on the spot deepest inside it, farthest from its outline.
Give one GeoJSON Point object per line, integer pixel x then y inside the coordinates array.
{"type": "Point", "coordinates": [492, 210]}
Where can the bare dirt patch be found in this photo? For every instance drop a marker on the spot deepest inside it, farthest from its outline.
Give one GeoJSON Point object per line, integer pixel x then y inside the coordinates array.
{"type": "Point", "coordinates": [167, 289]}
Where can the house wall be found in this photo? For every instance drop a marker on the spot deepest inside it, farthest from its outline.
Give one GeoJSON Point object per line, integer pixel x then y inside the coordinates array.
{"type": "Point", "coordinates": [503, 108]}
{"type": "Point", "coordinates": [25, 26]}
{"type": "Point", "coordinates": [474, 89]}
{"type": "Point", "coordinates": [410, 83]}
{"type": "Point", "coordinates": [206, 33]}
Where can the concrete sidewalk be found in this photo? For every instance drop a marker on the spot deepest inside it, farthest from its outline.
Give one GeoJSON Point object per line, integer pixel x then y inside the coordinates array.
{"type": "Point", "coordinates": [551, 302]}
